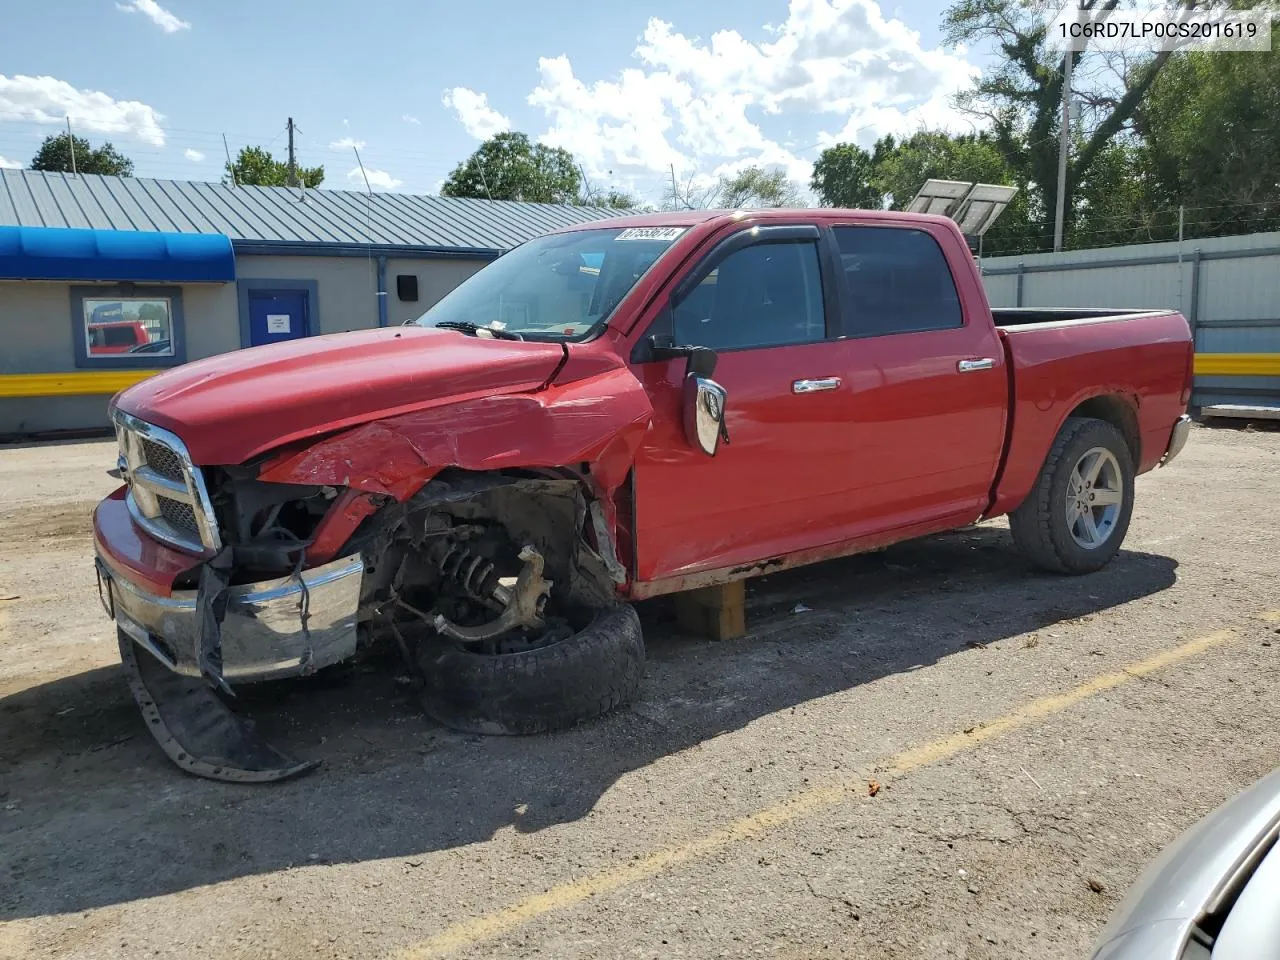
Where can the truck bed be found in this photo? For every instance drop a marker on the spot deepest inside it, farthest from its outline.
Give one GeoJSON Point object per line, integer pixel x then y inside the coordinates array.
{"type": "Point", "coordinates": [1137, 362]}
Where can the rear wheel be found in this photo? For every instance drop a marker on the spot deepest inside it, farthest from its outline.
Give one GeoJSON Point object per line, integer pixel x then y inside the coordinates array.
{"type": "Point", "coordinates": [1077, 514]}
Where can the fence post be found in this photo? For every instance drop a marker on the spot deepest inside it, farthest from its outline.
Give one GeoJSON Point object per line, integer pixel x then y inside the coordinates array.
{"type": "Point", "coordinates": [1018, 300]}
{"type": "Point", "coordinates": [1193, 315]}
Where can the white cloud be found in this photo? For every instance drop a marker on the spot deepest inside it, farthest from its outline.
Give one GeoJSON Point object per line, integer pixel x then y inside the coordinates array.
{"type": "Point", "coordinates": [478, 118]}
{"type": "Point", "coordinates": [9, 164]}
{"type": "Point", "coordinates": [378, 179]}
{"type": "Point", "coordinates": [49, 100]}
{"type": "Point", "coordinates": [346, 143]}
{"type": "Point", "coordinates": [835, 69]}
{"type": "Point", "coordinates": [157, 14]}
{"type": "Point", "coordinates": [195, 156]}
{"type": "Point", "coordinates": [409, 118]}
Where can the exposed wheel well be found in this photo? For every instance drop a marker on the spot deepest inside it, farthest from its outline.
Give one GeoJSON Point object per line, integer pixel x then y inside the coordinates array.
{"type": "Point", "coordinates": [1118, 412]}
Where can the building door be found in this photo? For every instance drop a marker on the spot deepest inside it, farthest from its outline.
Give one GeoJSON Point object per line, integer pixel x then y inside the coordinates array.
{"type": "Point", "coordinates": [277, 315]}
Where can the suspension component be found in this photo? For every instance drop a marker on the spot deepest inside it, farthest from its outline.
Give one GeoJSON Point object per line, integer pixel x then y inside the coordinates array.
{"type": "Point", "coordinates": [525, 605]}
{"type": "Point", "coordinates": [469, 571]}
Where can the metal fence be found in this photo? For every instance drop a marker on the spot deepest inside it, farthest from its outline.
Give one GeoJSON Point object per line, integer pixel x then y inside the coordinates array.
{"type": "Point", "coordinates": [1227, 287]}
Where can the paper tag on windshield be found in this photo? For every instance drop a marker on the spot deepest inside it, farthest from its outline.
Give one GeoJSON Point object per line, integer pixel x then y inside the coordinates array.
{"type": "Point", "coordinates": [650, 233]}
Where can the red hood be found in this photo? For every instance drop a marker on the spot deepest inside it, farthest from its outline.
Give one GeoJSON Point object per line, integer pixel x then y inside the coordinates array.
{"type": "Point", "coordinates": [231, 407]}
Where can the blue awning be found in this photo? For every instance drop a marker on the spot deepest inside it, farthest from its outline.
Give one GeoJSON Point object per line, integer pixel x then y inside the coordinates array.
{"type": "Point", "coordinates": [60, 253]}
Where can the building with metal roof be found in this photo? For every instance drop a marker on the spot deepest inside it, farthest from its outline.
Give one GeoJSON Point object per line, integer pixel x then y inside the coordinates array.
{"type": "Point", "coordinates": [278, 218]}
{"type": "Point", "coordinates": [104, 280]}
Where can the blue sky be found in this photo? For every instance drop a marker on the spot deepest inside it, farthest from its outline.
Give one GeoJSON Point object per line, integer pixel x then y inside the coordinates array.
{"type": "Point", "coordinates": [630, 89]}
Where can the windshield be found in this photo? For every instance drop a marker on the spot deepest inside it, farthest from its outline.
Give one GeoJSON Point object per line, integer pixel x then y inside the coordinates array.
{"type": "Point", "coordinates": [558, 287]}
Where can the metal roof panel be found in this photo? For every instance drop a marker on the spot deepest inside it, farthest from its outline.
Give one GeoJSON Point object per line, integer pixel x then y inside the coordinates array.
{"type": "Point", "coordinates": [31, 198]}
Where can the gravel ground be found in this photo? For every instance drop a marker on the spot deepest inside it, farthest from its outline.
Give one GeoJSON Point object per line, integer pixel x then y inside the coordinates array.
{"type": "Point", "coordinates": [729, 814]}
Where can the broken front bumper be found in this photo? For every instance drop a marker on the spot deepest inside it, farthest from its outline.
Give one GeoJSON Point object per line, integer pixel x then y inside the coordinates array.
{"type": "Point", "coordinates": [262, 633]}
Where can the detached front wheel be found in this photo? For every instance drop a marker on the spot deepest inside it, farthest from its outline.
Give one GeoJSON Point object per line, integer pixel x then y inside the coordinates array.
{"type": "Point", "coordinates": [1077, 514]}
{"type": "Point", "coordinates": [588, 673]}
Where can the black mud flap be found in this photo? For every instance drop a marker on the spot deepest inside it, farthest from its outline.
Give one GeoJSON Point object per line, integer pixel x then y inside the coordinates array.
{"type": "Point", "coordinates": [196, 730]}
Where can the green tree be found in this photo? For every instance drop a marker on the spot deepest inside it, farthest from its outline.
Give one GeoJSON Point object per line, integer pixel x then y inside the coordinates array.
{"type": "Point", "coordinates": [592, 196]}
{"type": "Point", "coordinates": [255, 166]}
{"type": "Point", "coordinates": [844, 176]}
{"type": "Point", "coordinates": [509, 166]}
{"type": "Point", "coordinates": [1210, 128]}
{"type": "Point", "coordinates": [55, 155]}
{"type": "Point", "coordinates": [619, 200]}
{"type": "Point", "coordinates": [894, 171]}
{"type": "Point", "coordinates": [1021, 96]}
{"type": "Point", "coordinates": [758, 187]}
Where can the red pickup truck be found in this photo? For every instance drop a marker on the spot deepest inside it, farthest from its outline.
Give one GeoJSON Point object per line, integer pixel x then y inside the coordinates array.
{"type": "Point", "coordinates": [615, 411]}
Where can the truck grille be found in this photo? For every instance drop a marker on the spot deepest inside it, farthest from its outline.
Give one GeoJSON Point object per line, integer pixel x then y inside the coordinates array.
{"type": "Point", "coordinates": [162, 460]}
{"type": "Point", "coordinates": [167, 494]}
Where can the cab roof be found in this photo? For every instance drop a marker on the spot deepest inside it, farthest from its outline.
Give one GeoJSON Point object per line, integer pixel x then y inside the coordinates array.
{"type": "Point", "coordinates": [690, 218]}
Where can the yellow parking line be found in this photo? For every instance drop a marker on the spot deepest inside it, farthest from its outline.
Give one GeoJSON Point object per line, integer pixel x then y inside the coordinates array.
{"type": "Point", "coordinates": [479, 929]}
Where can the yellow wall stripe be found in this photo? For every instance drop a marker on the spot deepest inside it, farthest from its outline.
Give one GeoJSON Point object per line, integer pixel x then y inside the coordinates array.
{"type": "Point", "coordinates": [1238, 364]}
{"type": "Point", "coordinates": [74, 383]}
{"type": "Point", "coordinates": [88, 383]}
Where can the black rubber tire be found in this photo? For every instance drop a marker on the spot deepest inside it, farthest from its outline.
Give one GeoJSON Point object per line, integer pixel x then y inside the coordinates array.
{"type": "Point", "coordinates": [551, 688]}
{"type": "Point", "coordinates": [1039, 525]}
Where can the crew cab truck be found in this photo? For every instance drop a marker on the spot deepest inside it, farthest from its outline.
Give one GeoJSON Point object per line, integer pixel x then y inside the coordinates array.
{"type": "Point", "coordinates": [636, 407]}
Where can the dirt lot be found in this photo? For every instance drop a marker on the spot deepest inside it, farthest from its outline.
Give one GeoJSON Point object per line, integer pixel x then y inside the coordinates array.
{"type": "Point", "coordinates": [1037, 740]}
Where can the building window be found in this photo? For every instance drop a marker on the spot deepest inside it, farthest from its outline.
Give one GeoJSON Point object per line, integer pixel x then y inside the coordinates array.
{"type": "Point", "coordinates": [122, 327]}
{"type": "Point", "coordinates": [130, 325]}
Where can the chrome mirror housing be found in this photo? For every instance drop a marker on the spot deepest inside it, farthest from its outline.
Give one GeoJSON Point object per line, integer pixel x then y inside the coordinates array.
{"type": "Point", "coordinates": [704, 412]}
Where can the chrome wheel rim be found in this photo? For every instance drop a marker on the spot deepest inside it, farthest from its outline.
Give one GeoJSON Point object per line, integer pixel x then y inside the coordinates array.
{"type": "Point", "coordinates": [1095, 494]}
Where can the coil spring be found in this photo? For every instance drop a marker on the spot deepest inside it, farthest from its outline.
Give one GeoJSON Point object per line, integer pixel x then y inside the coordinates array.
{"type": "Point", "coordinates": [470, 571]}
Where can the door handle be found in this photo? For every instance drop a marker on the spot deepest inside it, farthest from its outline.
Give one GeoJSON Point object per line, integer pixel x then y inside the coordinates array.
{"type": "Point", "coordinates": [815, 386]}
{"type": "Point", "coordinates": [968, 366]}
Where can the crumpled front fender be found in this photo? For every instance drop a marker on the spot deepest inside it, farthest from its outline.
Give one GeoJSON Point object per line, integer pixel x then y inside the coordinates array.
{"type": "Point", "coordinates": [599, 420]}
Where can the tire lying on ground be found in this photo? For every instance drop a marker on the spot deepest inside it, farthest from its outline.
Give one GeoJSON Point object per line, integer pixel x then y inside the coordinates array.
{"type": "Point", "coordinates": [584, 676]}
{"type": "Point", "coordinates": [1077, 514]}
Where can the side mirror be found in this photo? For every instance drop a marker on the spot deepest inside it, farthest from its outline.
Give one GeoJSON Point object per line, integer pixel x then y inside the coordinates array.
{"type": "Point", "coordinates": [703, 404]}
{"type": "Point", "coordinates": [703, 400]}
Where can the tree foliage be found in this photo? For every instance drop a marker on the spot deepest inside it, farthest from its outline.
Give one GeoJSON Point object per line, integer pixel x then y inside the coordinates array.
{"type": "Point", "coordinates": [752, 187]}
{"type": "Point", "coordinates": [509, 166]}
{"type": "Point", "coordinates": [255, 166]}
{"type": "Point", "coordinates": [1209, 129]}
{"type": "Point", "coordinates": [757, 187]}
{"type": "Point", "coordinates": [55, 155]}
{"type": "Point", "coordinates": [846, 176]}
{"type": "Point", "coordinates": [891, 174]}
{"type": "Point", "coordinates": [1021, 97]}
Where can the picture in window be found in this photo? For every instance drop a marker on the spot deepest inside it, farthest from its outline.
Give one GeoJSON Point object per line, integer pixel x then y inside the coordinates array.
{"type": "Point", "coordinates": [121, 326]}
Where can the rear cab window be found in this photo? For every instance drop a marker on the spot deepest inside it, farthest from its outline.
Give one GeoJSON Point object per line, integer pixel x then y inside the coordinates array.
{"type": "Point", "coordinates": [896, 280]}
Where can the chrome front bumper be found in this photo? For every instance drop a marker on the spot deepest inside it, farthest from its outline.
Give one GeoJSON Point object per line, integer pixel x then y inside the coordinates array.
{"type": "Point", "coordinates": [1177, 440]}
{"type": "Point", "coordinates": [262, 635]}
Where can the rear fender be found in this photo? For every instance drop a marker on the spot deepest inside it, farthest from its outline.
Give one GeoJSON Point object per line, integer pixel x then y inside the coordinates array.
{"type": "Point", "coordinates": [1035, 426]}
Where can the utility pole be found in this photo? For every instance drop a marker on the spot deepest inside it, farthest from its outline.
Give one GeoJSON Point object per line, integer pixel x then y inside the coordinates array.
{"type": "Point", "coordinates": [1062, 149]}
{"type": "Point", "coordinates": [675, 193]}
{"type": "Point", "coordinates": [71, 142]}
{"type": "Point", "coordinates": [292, 179]}
{"type": "Point", "coordinates": [1068, 61]}
{"type": "Point", "coordinates": [230, 166]}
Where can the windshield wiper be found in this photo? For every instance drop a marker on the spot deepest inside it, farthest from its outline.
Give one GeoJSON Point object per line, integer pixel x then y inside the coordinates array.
{"type": "Point", "coordinates": [474, 329]}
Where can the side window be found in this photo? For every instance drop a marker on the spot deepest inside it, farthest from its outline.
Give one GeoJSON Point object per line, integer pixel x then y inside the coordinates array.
{"type": "Point", "coordinates": [897, 281]}
{"type": "Point", "coordinates": [765, 295]}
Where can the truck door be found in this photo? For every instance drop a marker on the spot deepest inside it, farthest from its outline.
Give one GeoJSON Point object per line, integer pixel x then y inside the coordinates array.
{"type": "Point", "coordinates": [929, 388]}
{"type": "Point", "coordinates": [763, 299]}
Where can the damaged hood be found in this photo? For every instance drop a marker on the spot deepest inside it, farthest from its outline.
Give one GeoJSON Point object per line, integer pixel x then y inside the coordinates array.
{"type": "Point", "coordinates": [234, 406]}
